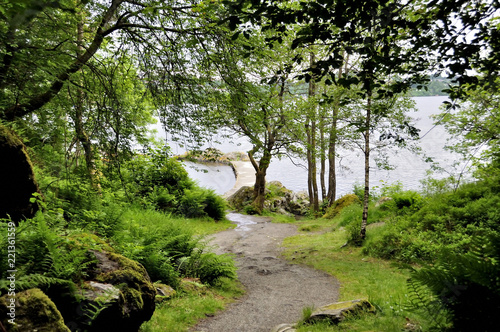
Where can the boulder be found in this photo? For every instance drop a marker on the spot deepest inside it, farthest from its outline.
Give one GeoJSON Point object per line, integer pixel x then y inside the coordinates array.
{"type": "Point", "coordinates": [241, 197]}
{"type": "Point", "coordinates": [383, 200]}
{"type": "Point", "coordinates": [136, 301]}
{"type": "Point", "coordinates": [34, 311]}
{"type": "Point", "coordinates": [278, 199]}
{"type": "Point", "coordinates": [336, 312]}
{"type": "Point", "coordinates": [299, 203]}
{"type": "Point", "coordinates": [340, 204]}
{"type": "Point", "coordinates": [285, 328]}
{"type": "Point", "coordinates": [163, 292]}
{"type": "Point", "coordinates": [117, 296]}
{"type": "Point", "coordinates": [17, 180]}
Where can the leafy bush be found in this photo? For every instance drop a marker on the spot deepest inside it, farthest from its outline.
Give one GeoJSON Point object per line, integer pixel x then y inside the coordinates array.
{"type": "Point", "coordinates": [168, 249]}
{"type": "Point", "coordinates": [207, 266]}
{"type": "Point", "coordinates": [167, 186]}
{"type": "Point", "coordinates": [466, 285]}
{"type": "Point", "coordinates": [45, 256]}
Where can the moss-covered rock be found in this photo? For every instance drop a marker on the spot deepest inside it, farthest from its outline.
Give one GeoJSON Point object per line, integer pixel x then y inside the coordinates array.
{"type": "Point", "coordinates": [336, 312]}
{"type": "Point", "coordinates": [340, 204]}
{"type": "Point", "coordinates": [241, 198]}
{"type": "Point", "coordinates": [163, 292]}
{"type": "Point", "coordinates": [116, 295]}
{"type": "Point", "coordinates": [17, 180]}
{"type": "Point", "coordinates": [33, 311]}
{"type": "Point", "coordinates": [136, 302]}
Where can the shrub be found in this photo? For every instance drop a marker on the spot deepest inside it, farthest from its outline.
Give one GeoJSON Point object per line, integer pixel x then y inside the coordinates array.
{"type": "Point", "coordinates": [167, 186]}
{"type": "Point", "coordinates": [168, 249]}
{"type": "Point", "coordinates": [466, 285]}
{"type": "Point", "coordinates": [340, 204]}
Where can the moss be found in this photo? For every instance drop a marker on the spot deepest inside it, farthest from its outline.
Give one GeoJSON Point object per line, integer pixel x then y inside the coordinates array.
{"type": "Point", "coordinates": [163, 292]}
{"type": "Point", "coordinates": [34, 312]}
{"type": "Point", "coordinates": [340, 204]}
{"type": "Point", "coordinates": [89, 240]}
{"type": "Point", "coordinates": [134, 298]}
{"type": "Point", "coordinates": [136, 291]}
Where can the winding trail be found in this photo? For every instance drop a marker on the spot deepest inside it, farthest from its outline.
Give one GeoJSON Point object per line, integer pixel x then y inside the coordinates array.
{"type": "Point", "coordinates": [276, 291]}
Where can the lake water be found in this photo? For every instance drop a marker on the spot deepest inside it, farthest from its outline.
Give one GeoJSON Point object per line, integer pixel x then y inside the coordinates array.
{"type": "Point", "coordinates": [410, 169]}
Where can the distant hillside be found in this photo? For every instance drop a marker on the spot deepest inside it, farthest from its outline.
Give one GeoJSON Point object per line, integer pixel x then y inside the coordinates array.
{"type": "Point", "coordinates": [434, 88]}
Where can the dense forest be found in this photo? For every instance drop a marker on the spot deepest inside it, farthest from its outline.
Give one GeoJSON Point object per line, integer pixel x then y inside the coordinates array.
{"type": "Point", "coordinates": [101, 224]}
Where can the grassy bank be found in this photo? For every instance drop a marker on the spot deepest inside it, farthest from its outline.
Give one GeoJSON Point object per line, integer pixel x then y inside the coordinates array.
{"type": "Point", "coordinates": [360, 276]}
{"type": "Point", "coordinates": [429, 261]}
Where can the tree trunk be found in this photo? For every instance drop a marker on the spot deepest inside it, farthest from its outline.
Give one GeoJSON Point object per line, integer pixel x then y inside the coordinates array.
{"type": "Point", "coordinates": [259, 188]}
{"type": "Point", "coordinates": [314, 169]}
{"type": "Point", "coordinates": [311, 146]}
{"type": "Point", "coordinates": [366, 197]}
{"type": "Point", "coordinates": [322, 158]}
{"type": "Point", "coordinates": [81, 134]}
{"type": "Point", "coordinates": [332, 145]}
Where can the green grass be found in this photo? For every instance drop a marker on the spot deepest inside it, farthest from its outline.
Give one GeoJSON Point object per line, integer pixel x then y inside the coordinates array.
{"type": "Point", "coordinates": [186, 309]}
{"type": "Point", "coordinates": [190, 304]}
{"type": "Point", "coordinates": [360, 276]}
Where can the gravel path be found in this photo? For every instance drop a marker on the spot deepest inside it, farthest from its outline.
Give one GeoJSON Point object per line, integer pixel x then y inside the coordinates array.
{"type": "Point", "coordinates": [276, 291]}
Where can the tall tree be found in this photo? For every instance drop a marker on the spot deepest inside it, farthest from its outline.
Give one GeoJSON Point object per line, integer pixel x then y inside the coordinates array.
{"type": "Point", "coordinates": [254, 100]}
{"type": "Point", "coordinates": [386, 37]}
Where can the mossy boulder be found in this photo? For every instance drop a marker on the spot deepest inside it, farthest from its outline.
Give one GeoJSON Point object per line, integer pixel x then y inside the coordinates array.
{"type": "Point", "coordinates": [136, 301]}
{"type": "Point", "coordinates": [340, 204]}
{"type": "Point", "coordinates": [278, 199]}
{"type": "Point", "coordinates": [163, 292]}
{"type": "Point", "coordinates": [337, 312]}
{"type": "Point", "coordinates": [17, 180]}
{"type": "Point", "coordinates": [116, 295]}
{"type": "Point", "coordinates": [34, 311]}
{"type": "Point", "coordinates": [241, 198]}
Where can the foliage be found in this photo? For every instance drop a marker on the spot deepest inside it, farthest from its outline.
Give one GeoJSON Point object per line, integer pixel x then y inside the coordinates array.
{"type": "Point", "coordinates": [168, 249]}
{"type": "Point", "coordinates": [474, 127]}
{"type": "Point", "coordinates": [165, 184]}
{"type": "Point", "coordinates": [466, 285]}
{"type": "Point", "coordinates": [44, 258]}
{"type": "Point", "coordinates": [181, 312]}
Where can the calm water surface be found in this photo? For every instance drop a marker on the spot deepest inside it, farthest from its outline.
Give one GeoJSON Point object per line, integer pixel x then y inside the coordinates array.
{"type": "Point", "coordinates": [410, 169]}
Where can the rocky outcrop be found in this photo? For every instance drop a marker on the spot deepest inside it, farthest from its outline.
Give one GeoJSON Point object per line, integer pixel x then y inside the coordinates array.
{"type": "Point", "coordinates": [33, 311]}
{"type": "Point", "coordinates": [17, 180]}
{"type": "Point", "coordinates": [278, 199]}
{"type": "Point", "coordinates": [241, 198]}
{"type": "Point", "coordinates": [340, 204]}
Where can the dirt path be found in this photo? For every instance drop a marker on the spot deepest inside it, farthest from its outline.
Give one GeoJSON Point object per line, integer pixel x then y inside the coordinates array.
{"type": "Point", "coordinates": [276, 290]}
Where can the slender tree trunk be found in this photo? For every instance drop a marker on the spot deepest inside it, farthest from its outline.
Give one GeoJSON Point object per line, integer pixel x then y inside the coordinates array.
{"type": "Point", "coordinates": [81, 134]}
{"type": "Point", "coordinates": [366, 197]}
{"type": "Point", "coordinates": [309, 163]}
{"type": "Point", "coordinates": [322, 145]}
{"type": "Point", "coordinates": [332, 175]}
{"type": "Point", "coordinates": [311, 146]}
{"type": "Point", "coordinates": [314, 169]}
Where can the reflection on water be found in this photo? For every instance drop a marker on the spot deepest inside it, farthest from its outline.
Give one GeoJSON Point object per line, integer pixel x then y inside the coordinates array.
{"type": "Point", "coordinates": [242, 221]}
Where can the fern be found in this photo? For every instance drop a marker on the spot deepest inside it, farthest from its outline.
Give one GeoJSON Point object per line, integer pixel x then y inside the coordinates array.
{"type": "Point", "coordinates": [466, 286]}
{"type": "Point", "coordinates": [35, 281]}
